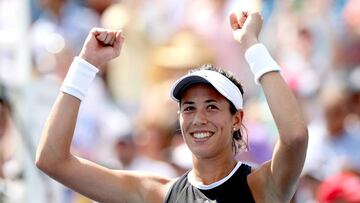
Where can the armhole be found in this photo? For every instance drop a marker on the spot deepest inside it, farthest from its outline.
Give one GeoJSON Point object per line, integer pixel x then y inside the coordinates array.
{"type": "Point", "coordinates": [248, 169]}
{"type": "Point", "coordinates": [256, 181]}
{"type": "Point", "coordinates": [167, 196]}
{"type": "Point", "coordinates": [175, 187]}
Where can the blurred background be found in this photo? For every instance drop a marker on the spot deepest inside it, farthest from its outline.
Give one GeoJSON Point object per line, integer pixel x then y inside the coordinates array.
{"type": "Point", "coordinates": [127, 120]}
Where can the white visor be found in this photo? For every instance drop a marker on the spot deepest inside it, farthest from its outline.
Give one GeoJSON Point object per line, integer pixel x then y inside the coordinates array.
{"type": "Point", "coordinates": [221, 83]}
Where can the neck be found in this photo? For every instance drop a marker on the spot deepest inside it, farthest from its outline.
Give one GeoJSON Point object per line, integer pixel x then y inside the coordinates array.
{"type": "Point", "coordinates": [211, 170]}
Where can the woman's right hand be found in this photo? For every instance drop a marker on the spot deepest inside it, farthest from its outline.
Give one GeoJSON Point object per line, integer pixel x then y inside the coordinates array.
{"type": "Point", "coordinates": [101, 46]}
{"type": "Point", "coordinates": [246, 28]}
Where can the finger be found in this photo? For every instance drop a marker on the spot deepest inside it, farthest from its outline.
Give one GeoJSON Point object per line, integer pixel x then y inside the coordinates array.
{"type": "Point", "coordinates": [96, 31]}
{"type": "Point", "coordinates": [245, 13]}
{"type": "Point", "coordinates": [244, 16]}
{"type": "Point", "coordinates": [109, 38]}
{"type": "Point", "coordinates": [234, 21]}
{"type": "Point", "coordinates": [113, 38]}
{"type": "Point", "coordinates": [101, 36]}
{"type": "Point", "coordinates": [119, 40]}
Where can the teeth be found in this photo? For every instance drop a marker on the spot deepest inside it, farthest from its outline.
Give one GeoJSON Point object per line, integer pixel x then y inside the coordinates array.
{"type": "Point", "coordinates": [202, 135]}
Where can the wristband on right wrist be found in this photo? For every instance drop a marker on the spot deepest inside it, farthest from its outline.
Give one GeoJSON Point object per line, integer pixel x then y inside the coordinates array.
{"type": "Point", "coordinates": [260, 61]}
{"type": "Point", "coordinates": [79, 77]}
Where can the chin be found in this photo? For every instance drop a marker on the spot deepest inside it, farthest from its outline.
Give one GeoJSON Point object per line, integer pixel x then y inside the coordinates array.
{"type": "Point", "coordinates": [202, 153]}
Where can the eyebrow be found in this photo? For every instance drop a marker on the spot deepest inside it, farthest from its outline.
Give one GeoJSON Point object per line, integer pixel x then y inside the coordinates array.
{"type": "Point", "coordinates": [190, 102]}
{"type": "Point", "coordinates": [187, 103]}
{"type": "Point", "coordinates": [210, 101]}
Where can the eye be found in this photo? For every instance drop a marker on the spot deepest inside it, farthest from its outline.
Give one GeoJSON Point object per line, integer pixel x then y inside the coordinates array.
{"type": "Point", "coordinates": [212, 107]}
{"type": "Point", "coordinates": [188, 108]}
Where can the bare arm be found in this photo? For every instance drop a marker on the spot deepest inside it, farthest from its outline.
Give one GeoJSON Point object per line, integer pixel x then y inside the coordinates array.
{"type": "Point", "coordinates": [53, 153]}
{"type": "Point", "coordinates": [282, 172]}
{"type": "Point", "coordinates": [290, 150]}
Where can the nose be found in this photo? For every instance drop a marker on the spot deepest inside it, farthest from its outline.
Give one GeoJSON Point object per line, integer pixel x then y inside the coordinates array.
{"type": "Point", "coordinates": [200, 118]}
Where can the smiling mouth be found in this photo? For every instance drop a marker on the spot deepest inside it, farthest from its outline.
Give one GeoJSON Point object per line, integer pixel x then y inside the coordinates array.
{"type": "Point", "coordinates": [202, 135]}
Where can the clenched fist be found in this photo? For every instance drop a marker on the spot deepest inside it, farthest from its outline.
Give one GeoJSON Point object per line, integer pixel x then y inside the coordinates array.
{"type": "Point", "coordinates": [101, 46]}
{"type": "Point", "coordinates": [246, 28]}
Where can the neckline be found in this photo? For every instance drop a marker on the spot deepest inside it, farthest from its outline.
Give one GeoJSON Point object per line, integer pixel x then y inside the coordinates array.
{"type": "Point", "coordinates": [201, 186]}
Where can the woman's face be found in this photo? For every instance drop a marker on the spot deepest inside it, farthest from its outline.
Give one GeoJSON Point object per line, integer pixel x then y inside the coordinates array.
{"type": "Point", "coordinates": [206, 122]}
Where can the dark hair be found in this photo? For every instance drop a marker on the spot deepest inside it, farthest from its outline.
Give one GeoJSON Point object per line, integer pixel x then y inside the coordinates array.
{"type": "Point", "coordinates": [237, 135]}
{"type": "Point", "coordinates": [3, 97]}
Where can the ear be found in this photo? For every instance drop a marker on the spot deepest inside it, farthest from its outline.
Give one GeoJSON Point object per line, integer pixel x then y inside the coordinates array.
{"type": "Point", "coordinates": [178, 109]}
{"type": "Point", "coordinates": [238, 117]}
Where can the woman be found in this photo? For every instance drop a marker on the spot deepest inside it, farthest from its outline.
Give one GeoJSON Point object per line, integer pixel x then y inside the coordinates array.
{"type": "Point", "coordinates": [210, 116]}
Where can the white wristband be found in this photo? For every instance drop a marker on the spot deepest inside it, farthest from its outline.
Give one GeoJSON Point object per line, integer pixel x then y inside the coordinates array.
{"type": "Point", "coordinates": [79, 77]}
{"type": "Point", "coordinates": [260, 61]}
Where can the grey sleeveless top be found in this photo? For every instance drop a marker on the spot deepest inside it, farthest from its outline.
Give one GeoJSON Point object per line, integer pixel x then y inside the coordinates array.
{"type": "Point", "coordinates": [233, 190]}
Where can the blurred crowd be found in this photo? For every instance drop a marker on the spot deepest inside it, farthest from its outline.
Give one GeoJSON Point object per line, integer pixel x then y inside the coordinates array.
{"type": "Point", "coordinates": [128, 121]}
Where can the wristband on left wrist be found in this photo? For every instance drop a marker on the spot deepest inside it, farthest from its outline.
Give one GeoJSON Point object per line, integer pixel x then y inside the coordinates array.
{"type": "Point", "coordinates": [79, 77]}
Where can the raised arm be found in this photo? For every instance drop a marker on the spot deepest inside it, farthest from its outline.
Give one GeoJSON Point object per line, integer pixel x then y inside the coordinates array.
{"type": "Point", "coordinates": [53, 153]}
{"type": "Point", "coordinates": [279, 176]}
